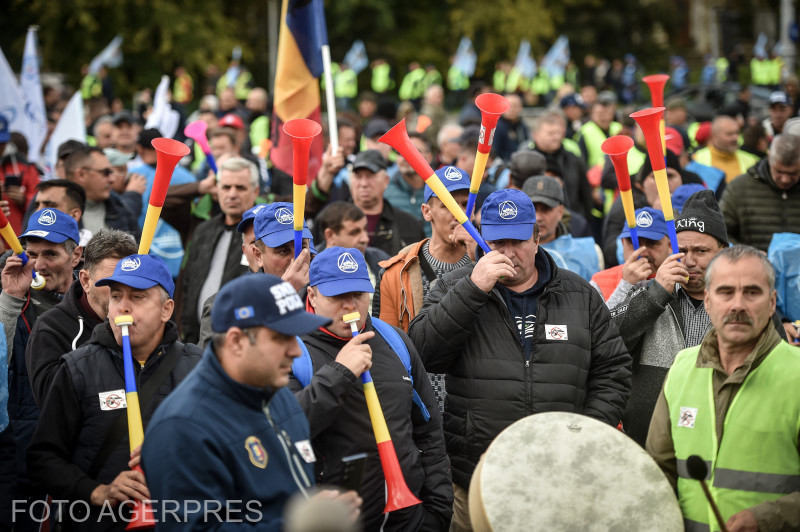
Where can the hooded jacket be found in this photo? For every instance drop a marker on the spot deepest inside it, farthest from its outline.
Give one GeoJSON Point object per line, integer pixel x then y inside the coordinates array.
{"type": "Point", "coordinates": [755, 208]}
{"type": "Point", "coordinates": [57, 332]}
{"type": "Point", "coordinates": [470, 335]}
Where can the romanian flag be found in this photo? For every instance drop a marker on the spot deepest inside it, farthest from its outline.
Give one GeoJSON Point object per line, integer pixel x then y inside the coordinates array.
{"type": "Point", "coordinates": [302, 35]}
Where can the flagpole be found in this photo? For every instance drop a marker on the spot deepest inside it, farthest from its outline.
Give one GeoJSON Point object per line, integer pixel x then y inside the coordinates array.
{"type": "Point", "coordinates": [333, 128]}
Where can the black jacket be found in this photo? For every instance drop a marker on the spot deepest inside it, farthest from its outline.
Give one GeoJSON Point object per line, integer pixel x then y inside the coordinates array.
{"type": "Point", "coordinates": [469, 335]}
{"type": "Point", "coordinates": [73, 425]}
{"type": "Point", "coordinates": [577, 190]}
{"type": "Point", "coordinates": [58, 331]}
{"type": "Point", "coordinates": [198, 264]}
{"type": "Point", "coordinates": [119, 216]}
{"type": "Point", "coordinates": [340, 426]}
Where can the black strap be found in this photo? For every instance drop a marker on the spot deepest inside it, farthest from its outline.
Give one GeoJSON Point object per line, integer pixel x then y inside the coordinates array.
{"type": "Point", "coordinates": [120, 426]}
{"type": "Point", "coordinates": [426, 268]}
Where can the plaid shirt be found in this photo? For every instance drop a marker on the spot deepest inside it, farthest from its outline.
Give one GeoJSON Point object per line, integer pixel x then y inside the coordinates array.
{"type": "Point", "coordinates": [696, 322]}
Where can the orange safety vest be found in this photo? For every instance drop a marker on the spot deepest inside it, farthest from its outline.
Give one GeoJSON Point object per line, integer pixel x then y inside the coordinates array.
{"type": "Point", "coordinates": [608, 280]}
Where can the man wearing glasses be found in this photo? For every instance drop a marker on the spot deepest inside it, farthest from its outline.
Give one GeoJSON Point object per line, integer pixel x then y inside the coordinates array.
{"type": "Point", "coordinates": [90, 168]}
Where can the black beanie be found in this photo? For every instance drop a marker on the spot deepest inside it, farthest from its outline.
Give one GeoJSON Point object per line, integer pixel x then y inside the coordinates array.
{"type": "Point", "coordinates": [647, 167]}
{"type": "Point", "coordinates": [701, 214]}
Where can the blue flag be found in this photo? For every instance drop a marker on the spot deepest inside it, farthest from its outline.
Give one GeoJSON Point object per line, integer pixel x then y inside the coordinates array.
{"type": "Point", "coordinates": [556, 59]}
{"type": "Point", "coordinates": [465, 59]}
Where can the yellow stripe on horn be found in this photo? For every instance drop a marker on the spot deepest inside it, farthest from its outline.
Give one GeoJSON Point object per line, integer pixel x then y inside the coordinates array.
{"type": "Point", "coordinates": [299, 197]}
{"type": "Point", "coordinates": [445, 197]}
{"type": "Point", "coordinates": [135, 430]}
{"type": "Point", "coordinates": [149, 229]}
{"type": "Point", "coordinates": [663, 193]}
{"type": "Point", "coordinates": [477, 171]}
{"type": "Point", "coordinates": [376, 413]}
{"type": "Point", "coordinates": [628, 207]}
{"type": "Point", "coordinates": [11, 238]}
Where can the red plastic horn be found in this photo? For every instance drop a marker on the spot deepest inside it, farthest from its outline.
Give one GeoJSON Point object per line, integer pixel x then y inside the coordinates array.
{"type": "Point", "coordinates": [491, 106]}
{"type": "Point", "coordinates": [302, 131]}
{"type": "Point", "coordinates": [656, 83]}
{"type": "Point", "coordinates": [617, 149]}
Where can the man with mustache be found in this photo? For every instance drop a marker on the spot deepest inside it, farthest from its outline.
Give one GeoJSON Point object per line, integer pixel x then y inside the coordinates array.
{"type": "Point", "coordinates": [668, 315]}
{"type": "Point", "coordinates": [729, 401]}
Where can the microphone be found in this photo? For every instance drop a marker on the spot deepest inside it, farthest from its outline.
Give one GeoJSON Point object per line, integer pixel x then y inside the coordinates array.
{"type": "Point", "coordinates": [698, 470]}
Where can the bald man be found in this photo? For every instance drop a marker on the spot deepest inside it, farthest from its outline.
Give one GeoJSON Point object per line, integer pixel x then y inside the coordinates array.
{"type": "Point", "coordinates": [723, 150]}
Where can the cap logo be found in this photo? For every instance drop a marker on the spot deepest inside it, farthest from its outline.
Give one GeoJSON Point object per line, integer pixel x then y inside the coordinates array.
{"type": "Point", "coordinates": [130, 264]}
{"type": "Point", "coordinates": [644, 219]}
{"type": "Point", "coordinates": [48, 217]}
{"type": "Point", "coordinates": [452, 173]}
{"type": "Point", "coordinates": [284, 216]}
{"type": "Point", "coordinates": [244, 313]}
{"type": "Point", "coordinates": [286, 299]}
{"type": "Point", "coordinates": [347, 263]}
{"type": "Point", "coordinates": [508, 210]}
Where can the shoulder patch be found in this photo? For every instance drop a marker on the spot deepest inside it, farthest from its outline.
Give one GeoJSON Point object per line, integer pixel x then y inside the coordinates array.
{"type": "Point", "coordinates": [256, 452]}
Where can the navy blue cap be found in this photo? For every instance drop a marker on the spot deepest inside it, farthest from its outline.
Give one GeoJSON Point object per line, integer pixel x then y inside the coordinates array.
{"type": "Point", "coordinates": [339, 270]}
{"type": "Point", "coordinates": [142, 272]}
{"type": "Point", "coordinates": [5, 134]}
{"type": "Point", "coordinates": [275, 224]}
{"type": "Point", "coordinates": [650, 224]}
{"type": "Point", "coordinates": [572, 99]}
{"type": "Point", "coordinates": [682, 193]}
{"type": "Point", "coordinates": [507, 213]}
{"type": "Point", "coordinates": [262, 300]}
{"type": "Point", "coordinates": [52, 225]}
{"type": "Point", "coordinates": [452, 178]}
{"type": "Point", "coordinates": [249, 216]}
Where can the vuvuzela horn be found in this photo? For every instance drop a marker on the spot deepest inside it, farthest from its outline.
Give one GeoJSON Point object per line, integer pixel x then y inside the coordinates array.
{"type": "Point", "coordinates": [491, 107]}
{"type": "Point", "coordinates": [617, 148]}
{"type": "Point", "coordinates": [302, 131]}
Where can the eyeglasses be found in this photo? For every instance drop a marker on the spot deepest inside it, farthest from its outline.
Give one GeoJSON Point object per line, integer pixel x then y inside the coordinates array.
{"type": "Point", "coordinates": [106, 172]}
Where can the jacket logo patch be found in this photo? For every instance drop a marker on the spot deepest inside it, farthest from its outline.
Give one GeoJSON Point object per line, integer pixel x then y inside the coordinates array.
{"type": "Point", "coordinates": [256, 452]}
{"type": "Point", "coordinates": [113, 400]}
{"type": "Point", "coordinates": [306, 451]}
{"type": "Point", "coordinates": [556, 332]}
{"type": "Point", "coordinates": [687, 417]}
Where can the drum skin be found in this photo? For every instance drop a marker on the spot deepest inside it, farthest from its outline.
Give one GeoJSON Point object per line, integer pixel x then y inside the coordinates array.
{"type": "Point", "coordinates": [558, 471]}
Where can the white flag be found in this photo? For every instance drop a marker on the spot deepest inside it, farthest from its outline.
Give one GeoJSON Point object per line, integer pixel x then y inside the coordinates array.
{"type": "Point", "coordinates": [110, 56]}
{"type": "Point", "coordinates": [31, 87]}
{"type": "Point", "coordinates": [71, 126]}
{"type": "Point", "coordinates": [163, 117]}
{"type": "Point", "coordinates": [12, 102]}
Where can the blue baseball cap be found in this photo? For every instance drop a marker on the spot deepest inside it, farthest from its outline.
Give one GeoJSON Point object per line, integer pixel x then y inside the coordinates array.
{"type": "Point", "coordinates": [682, 193]}
{"type": "Point", "coordinates": [452, 178]}
{"type": "Point", "coordinates": [249, 216]}
{"type": "Point", "coordinates": [275, 224]}
{"type": "Point", "coordinates": [142, 272]}
{"type": "Point", "coordinates": [262, 300]}
{"type": "Point", "coordinates": [52, 225]}
{"type": "Point", "coordinates": [650, 224]}
{"type": "Point", "coordinates": [507, 213]}
{"type": "Point", "coordinates": [5, 134]}
{"type": "Point", "coordinates": [339, 270]}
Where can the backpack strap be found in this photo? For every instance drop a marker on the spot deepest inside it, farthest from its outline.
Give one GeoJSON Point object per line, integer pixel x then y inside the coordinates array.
{"type": "Point", "coordinates": [301, 366]}
{"type": "Point", "coordinates": [397, 344]}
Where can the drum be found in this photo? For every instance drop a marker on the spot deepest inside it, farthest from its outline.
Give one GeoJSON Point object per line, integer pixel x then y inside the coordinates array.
{"type": "Point", "coordinates": [567, 472]}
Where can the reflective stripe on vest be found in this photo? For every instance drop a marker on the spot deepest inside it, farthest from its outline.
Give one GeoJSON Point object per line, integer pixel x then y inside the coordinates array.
{"type": "Point", "coordinates": [757, 458]}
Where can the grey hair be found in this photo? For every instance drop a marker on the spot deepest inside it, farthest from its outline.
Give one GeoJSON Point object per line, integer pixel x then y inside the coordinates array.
{"type": "Point", "coordinates": [738, 252]}
{"type": "Point", "coordinates": [448, 132]}
{"type": "Point", "coordinates": [785, 150]}
{"type": "Point", "coordinates": [551, 116]}
{"type": "Point", "coordinates": [234, 164]}
{"type": "Point", "coordinates": [164, 294]}
{"type": "Point", "coordinates": [105, 119]}
{"type": "Point", "coordinates": [108, 244]}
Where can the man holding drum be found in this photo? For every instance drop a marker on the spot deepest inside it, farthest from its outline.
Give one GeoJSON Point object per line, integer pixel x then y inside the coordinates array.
{"type": "Point", "coordinates": [516, 335]}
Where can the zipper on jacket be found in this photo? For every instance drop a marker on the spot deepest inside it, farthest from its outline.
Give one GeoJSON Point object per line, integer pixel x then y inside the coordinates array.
{"type": "Point", "coordinates": [296, 468]}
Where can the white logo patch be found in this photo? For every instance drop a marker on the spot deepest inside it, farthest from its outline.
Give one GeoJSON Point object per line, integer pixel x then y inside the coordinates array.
{"type": "Point", "coordinates": [306, 451]}
{"type": "Point", "coordinates": [452, 173]}
{"type": "Point", "coordinates": [36, 232]}
{"type": "Point", "coordinates": [508, 210]}
{"type": "Point", "coordinates": [644, 219]}
{"type": "Point", "coordinates": [113, 400]}
{"type": "Point", "coordinates": [286, 299]}
{"type": "Point", "coordinates": [482, 136]}
{"type": "Point", "coordinates": [347, 263]}
{"type": "Point", "coordinates": [48, 217]}
{"type": "Point", "coordinates": [687, 417]}
{"type": "Point", "coordinates": [556, 332]}
{"type": "Point", "coordinates": [284, 216]}
{"type": "Point", "coordinates": [692, 223]}
{"type": "Point", "coordinates": [259, 208]}
{"type": "Point", "coordinates": [129, 264]}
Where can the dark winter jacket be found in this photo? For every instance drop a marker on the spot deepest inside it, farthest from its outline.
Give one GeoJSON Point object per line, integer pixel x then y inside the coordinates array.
{"type": "Point", "coordinates": [340, 425]}
{"type": "Point", "coordinates": [75, 422]}
{"type": "Point", "coordinates": [119, 216]}
{"type": "Point", "coordinates": [577, 190]}
{"type": "Point", "coordinates": [755, 208]}
{"type": "Point", "coordinates": [201, 250]}
{"type": "Point", "coordinates": [469, 335]}
{"type": "Point", "coordinates": [57, 332]}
